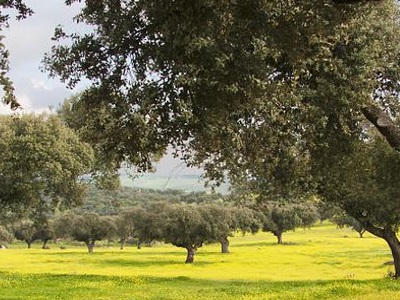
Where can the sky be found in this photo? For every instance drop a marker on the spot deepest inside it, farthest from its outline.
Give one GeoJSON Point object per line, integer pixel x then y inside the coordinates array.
{"type": "Point", "coordinates": [28, 40]}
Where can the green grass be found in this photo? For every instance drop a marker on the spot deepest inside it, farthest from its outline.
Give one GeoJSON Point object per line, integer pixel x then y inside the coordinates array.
{"type": "Point", "coordinates": [320, 263]}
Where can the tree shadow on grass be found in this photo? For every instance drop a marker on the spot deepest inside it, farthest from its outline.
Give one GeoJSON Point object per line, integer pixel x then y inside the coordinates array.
{"type": "Point", "coordinates": [266, 244]}
{"type": "Point", "coordinates": [127, 259]}
{"type": "Point", "coordinates": [132, 263]}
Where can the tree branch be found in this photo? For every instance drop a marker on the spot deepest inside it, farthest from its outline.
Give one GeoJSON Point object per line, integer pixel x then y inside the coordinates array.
{"type": "Point", "coordinates": [384, 124]}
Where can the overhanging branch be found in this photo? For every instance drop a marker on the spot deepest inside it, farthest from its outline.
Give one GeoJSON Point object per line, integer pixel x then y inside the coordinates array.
{"type": "Point", "coordinates": [384, 124]}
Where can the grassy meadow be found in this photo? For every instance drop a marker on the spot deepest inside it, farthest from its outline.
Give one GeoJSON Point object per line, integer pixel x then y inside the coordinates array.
{"type": "Point", "coordinates": [318, 263]}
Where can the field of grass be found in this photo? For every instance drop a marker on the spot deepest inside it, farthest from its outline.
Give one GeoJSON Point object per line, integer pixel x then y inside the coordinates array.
{"type": "Point", "coordinates": [320, 263]}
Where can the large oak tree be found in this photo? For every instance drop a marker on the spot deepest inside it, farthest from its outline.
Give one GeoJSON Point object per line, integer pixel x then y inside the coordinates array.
{"type": "Point", "coordinates": [272, 91]}
{"type": "Point", "coordinates": [219, 75]}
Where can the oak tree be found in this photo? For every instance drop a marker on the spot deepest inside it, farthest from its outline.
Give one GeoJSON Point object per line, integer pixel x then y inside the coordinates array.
{"type": "Point", "coordinates": [186, 227]}
{"type": "Point", "coordinates": [87, 228]}
{"type": "Point", "coordinates": [269, 92]}
{"type": "Point", "coordinates": [282, 217]}
{"type": "Point", "coordinates": [43, 161]}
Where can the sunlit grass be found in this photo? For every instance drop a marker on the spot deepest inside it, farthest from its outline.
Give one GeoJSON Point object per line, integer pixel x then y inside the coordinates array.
{"type": "Point", "coordinates": [319, 263]}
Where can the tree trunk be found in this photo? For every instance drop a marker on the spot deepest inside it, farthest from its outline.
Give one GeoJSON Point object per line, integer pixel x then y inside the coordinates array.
{"type": "Point", "coordinates": [29, 244]}
{"type": "Point", "coordinates": [90, 246]}
{"type": "Point", "coordinates": [224, 245]}
{"type": "Point", "coordinates": [391, 239]}
{"type": "Point", "coordinates": [122, 244]}
{"type": "Point", "coordinates": [278, 235]}
{"type": "Point", "coordinates": [191, 251]}
{"type": "Point", "coordinates": [361, 233]}
{"type": "Point", "coordinates": [385, 125]}
{"type": "Point", "coordinates": [44, 246]}
{"type": "Point", "coordinates": [139, 245]}
{"type": "Point", "coordinates": [393, 242]}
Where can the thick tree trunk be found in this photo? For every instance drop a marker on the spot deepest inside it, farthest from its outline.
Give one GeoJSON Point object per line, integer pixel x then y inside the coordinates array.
{"type": "Point", "coordinates": [224, 245]}
{"type": "Point", "coordinates": [394, 245]}
{"type": "Point", "coordinates": [191, 251]}
{"type": "Point", "coordinates": [29, 245]}
{"type": "Point", "coordinates": [391, 239]}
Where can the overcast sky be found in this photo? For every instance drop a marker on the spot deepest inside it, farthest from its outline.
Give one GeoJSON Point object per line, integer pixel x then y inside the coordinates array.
{"type": "Point", "coordinates": [27, 41]}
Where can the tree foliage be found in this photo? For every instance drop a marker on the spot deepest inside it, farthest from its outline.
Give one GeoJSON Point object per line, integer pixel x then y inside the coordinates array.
{"type": "Point", "coordinates": [22, 11]}
{"type": "Point", "coordinates": [43, 161]}
{"type": "Point", "coordinates": [223, 221]}
{"type": "Point", "coordinates": [5, 235]}
{"type": "Point", "coordinates": [344, 220]}
{"type": "Point", "coordinates": [223, 75]}
{"type": "Point", "coordinates": [364, 184]}
{"type": "Point", "coordinates": [148, 222]}
{"type": "Point", "coordinates": [186, 227]}
{"type": "Point", "coordinates": [87, 228]}
{"type": "Point", "coordinates": [281, 217]}
{"type": "Point", "coordinates": [25, 231]}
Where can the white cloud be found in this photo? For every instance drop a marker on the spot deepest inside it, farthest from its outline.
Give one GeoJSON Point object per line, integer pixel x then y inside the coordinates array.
{"type": "Point", "coordinates": [41, 84]}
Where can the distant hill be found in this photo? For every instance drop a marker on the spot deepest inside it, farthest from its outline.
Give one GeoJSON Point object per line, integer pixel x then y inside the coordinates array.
{"type": "Point", "coordinates": [187, 183]}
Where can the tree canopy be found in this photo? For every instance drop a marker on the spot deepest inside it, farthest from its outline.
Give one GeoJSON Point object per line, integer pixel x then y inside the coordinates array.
{"type": "Point", "coordinates": [87, 228]}
{"type": "Point", "coordinates": [43, 161]}
{"type": "Point", "coordinates": [281, 79]}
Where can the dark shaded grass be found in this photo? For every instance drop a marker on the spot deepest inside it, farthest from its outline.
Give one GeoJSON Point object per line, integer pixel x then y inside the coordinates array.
{"type": "Point", "coordinates": [48, 286]}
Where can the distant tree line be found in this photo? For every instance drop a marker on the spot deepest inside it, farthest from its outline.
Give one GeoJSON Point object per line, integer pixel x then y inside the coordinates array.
{"type": "Point", "coordinates": [183, 221]}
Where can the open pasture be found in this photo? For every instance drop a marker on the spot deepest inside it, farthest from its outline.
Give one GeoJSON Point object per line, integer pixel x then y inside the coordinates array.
{"type": "Point", "coordinates": [318, 263]}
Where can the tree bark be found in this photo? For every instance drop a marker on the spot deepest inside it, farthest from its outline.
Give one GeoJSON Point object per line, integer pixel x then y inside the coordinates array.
{"type": "Point", "coordinates": [361, 233]}
{"type": "Point", "coordinates": [139, 245]}
{"type": "Point", "coordinates": [29, 245]}
{"type": "Point", "coordinates": [224, 245]}
{"type": "Point", "coordinates": [191, 251]}
{"type": "Point", "coordinates": [385, 125]}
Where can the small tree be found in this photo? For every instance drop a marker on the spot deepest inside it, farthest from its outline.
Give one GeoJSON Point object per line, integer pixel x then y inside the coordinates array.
{"type": "Point", "coordinates": [123, 228]}
{"type": "Point", "coordinates": [280, 218]}
{"type": "Point", "coordinates": [220, 223]}
{"type": "Point", "coordinates": [344, 220]}
{"type": "Point", "coordinates": [224, 221]}
{"type": "Point", "coordinates": [40, 216]}
{"type": "Point", "coordinates": [148, 222]}
{"type": "Point", "coordinates": [5, 235]}
{"type": "Point", "coordinates": [185, 227]}
{"type": "Point", "coordinates": [25, 231]}
{"type": "Point", "coordinates": [87, 228]}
